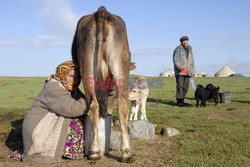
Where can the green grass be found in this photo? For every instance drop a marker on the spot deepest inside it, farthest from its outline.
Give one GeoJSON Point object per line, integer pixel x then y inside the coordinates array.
{"type": "Point", "coordinates": [211, 136]}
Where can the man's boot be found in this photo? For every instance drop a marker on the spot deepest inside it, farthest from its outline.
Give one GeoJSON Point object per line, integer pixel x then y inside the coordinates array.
{"type": "Point", "coordinates": [180, 102]}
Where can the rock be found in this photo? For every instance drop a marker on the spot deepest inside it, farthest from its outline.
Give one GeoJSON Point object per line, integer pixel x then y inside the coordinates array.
{"type": "Point", "coordinates": [141, 129]}
{"type": "Point", "coordinates": [168, 131]}
{"type": "Point", "coordinates": [115, 140]}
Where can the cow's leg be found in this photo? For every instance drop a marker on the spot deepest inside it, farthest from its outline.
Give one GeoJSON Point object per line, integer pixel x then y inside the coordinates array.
{"type": "Point", "coordinates": [123, 117]}
{"type": "Point", "coordinates": [119, 63]}
{"type": "Point", "coordinates": [95, 152]}
{"type": "Point", "coordinates": [94, 118]}
{"type": "Point", "coordinates": [143, 107]}
{"type": "Point", "coordinates": [133, 107]}
{"type": "Point", "coordinates": [110, 103]}
{"type": "Point", "coordinates": [137, 106]}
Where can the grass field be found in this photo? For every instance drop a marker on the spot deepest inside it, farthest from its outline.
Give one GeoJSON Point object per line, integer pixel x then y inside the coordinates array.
{"type": "Point", "coordinates": [211, 136]}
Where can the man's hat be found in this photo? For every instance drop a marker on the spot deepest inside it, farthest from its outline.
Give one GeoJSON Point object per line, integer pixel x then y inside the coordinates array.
{"type": "Point", "coordinates": [184, 38]}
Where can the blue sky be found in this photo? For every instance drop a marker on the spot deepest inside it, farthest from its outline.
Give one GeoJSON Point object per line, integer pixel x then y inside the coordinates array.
{"type": "Point", "coordinates": [36, 35]}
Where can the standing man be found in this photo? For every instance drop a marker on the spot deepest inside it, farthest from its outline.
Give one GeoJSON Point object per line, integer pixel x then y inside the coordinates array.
{"type": "Point", "coordinates": [184, 69]}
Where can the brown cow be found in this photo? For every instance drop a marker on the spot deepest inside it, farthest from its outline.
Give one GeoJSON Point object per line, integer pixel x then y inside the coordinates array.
{"type": "Point", "coordinates": [101, 49]}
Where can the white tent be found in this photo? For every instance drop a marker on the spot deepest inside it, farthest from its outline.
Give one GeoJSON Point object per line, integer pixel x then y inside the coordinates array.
{"type": "Point", "coordinates": [203, 74]}
{"type": "Point", "coordinates": [167, 73]}
{"type": "Point", "coordinates": [224, 72]}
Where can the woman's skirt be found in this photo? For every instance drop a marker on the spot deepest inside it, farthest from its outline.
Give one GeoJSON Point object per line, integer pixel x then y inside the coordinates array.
{"type": "Point", "coordinates": [74, 146]}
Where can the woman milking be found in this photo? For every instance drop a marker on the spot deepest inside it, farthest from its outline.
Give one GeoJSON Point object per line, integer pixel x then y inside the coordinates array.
{"type": "Point", "coordinates": [51, 128]}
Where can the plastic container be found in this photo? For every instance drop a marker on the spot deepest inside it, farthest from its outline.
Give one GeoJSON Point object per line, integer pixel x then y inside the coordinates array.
{"type": "Point", "coordinates": [191, 80]}
{"type": "Point", "coordinates": [225, 97]}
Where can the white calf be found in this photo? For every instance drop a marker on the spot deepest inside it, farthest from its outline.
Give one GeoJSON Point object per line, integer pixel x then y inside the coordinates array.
{"type": "Point", "coordinates": [138, 94]}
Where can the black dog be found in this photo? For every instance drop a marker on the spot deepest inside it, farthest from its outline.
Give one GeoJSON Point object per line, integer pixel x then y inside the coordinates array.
{"type": "Point", "coordinates": [203, 94]}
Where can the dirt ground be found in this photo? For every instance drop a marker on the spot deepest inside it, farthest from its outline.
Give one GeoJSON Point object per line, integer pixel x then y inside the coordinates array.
{"type": "Point", "coordinates": [146, 152]}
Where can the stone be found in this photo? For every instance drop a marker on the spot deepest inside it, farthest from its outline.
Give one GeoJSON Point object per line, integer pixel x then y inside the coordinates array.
{"type": "Point", "coordinates": [168, 131]}
{"type": "Point", "coordinates": [115, 140]}
{"type": "Point", "coordinates": [141, 129]}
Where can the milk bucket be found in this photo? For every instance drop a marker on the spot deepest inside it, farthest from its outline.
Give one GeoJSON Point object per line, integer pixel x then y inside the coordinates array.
{"type": "Point", "coordinates": [225, 97]}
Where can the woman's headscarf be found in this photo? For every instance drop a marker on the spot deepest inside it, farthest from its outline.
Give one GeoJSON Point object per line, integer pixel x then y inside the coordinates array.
{"type": "Point", "coordinates": [62, 69]}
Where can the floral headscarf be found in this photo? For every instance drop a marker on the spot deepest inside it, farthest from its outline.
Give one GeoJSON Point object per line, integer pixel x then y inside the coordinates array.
{"type": "Point", "coordinates": [62, 69]}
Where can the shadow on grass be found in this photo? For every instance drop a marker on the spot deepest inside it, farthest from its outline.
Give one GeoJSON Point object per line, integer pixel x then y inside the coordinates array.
{"type": "Point", "coordinates": [167, 102]}
{"type": "Point", "coordinates": [14, 140]}
{"type": "Point", "coordinates": [241, 101]}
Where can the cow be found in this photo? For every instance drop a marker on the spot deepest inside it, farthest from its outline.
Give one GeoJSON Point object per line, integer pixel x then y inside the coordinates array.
{"type": "Point", "coordinates": [138, 94]}
{"type": "Point", "coordinates": [100, 47]}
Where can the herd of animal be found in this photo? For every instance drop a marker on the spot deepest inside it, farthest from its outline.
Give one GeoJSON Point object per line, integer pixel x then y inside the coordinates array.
{"type": "Point", "coordinates": [203, 94]}
{"type": "Point", "coordinates": [138, 94]}
{"type": "Point", "coordinates": [100, 47]}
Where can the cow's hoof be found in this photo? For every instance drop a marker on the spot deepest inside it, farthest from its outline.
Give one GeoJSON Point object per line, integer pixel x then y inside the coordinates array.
{"type": "Point", "coordinates": [95, 156]}
{"type": "Point", "coordinates": [127, 157]}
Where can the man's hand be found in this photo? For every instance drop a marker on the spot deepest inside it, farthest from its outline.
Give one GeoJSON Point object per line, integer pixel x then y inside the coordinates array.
{"type": "Point", "coordinates": [184, 70]}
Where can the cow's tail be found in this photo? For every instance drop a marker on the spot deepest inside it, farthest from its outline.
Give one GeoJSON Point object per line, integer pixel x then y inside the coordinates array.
{"type": "Point", "coordinates": [101, 92]}
{"type": "Point", "coordinates": [74, 50]}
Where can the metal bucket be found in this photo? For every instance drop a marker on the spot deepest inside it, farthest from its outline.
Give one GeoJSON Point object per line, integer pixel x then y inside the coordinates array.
{"type": "Point", "coordinates": [225, 97]}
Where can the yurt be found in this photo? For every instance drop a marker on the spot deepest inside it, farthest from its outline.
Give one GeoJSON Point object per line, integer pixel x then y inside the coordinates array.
{"type": "Point", "coordinates": [167, 73]}
{"type": "Point", "coordinates": [202, 74]}
{"type": "Point", "coordinates": [224, 72]}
